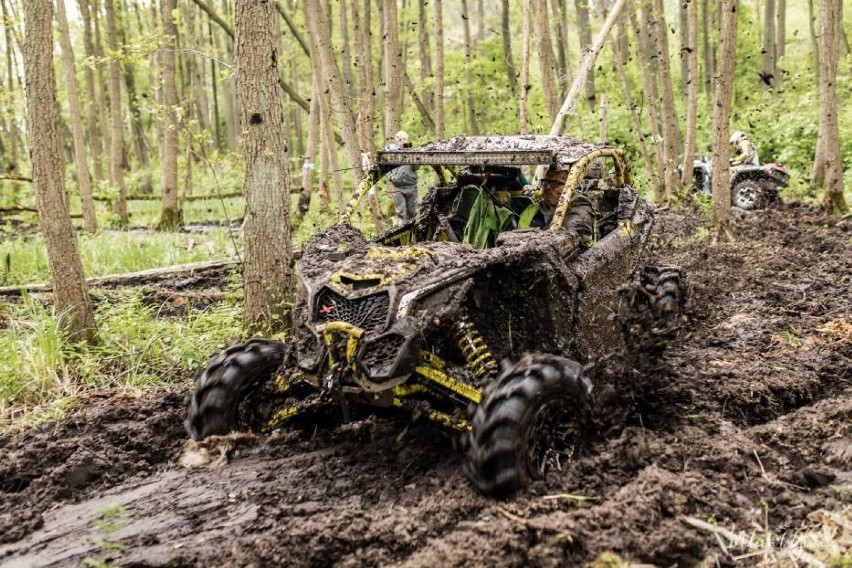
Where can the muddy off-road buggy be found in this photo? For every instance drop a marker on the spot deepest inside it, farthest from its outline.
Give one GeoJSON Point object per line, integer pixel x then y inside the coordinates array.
{"type": "Point", "coordinates": [752, 187]}
{"type": "Point", "coordinates": [487, 339]}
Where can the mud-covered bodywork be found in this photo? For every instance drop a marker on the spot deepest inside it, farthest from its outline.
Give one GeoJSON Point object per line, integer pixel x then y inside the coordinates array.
{"type": "Point", "coordinates": [366, 311]}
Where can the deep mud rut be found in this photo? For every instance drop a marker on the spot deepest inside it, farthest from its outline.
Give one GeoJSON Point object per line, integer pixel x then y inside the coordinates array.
{"type": "Point", "coordinates": [746, 422]}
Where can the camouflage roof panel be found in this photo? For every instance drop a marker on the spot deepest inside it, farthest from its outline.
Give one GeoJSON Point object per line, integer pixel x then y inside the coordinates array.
{"type": "Point", "coordinates": [565, 150]}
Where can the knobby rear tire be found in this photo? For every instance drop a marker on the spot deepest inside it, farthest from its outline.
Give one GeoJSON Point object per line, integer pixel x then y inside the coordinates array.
{"type": "Point", "coordinates": [506, 448]}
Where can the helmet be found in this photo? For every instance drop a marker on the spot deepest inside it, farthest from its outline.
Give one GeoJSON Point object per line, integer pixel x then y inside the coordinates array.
{"type": "Point", "coordinates": [401, 137]}
{"type": "Point", "coordinates": [737, 136]}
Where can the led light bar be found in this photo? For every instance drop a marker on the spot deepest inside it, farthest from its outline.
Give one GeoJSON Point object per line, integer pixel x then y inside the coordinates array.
{"type": "Point", "coordinates": [495, 158]}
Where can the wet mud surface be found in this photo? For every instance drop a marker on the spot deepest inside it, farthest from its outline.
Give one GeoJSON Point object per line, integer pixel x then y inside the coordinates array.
{"type": "Point", "coordinates": [745, 421]}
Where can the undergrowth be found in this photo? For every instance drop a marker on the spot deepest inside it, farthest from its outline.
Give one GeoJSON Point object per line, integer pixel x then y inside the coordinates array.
{"type": "Point", "coordinates": [41, 373]}
{"type": "Point", "coordinates": [24, 259]}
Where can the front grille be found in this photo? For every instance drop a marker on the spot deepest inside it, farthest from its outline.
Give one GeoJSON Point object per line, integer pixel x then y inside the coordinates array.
{"type": "Point", "coordinates": [382, 353]}
{"type": "Point", "coordinates": [370, 313]}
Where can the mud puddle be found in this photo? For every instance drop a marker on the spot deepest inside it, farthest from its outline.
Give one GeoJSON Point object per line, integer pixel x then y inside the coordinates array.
{"type": "Point", "coordinates": [744, 422]}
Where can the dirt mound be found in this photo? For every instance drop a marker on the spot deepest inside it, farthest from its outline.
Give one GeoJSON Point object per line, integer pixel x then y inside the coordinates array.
{"type": "Point", "coordinates": [743, 423]}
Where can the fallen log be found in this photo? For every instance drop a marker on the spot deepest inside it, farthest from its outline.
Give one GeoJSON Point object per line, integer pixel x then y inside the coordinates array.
{"type": "Point", "coordinates": [128, 279]}
{"type": "Point", "coordinates": [11, 209]}
{"type": "Point", "coordinates": [16, 178]}
{"type": "Point", "coordinates": [157, 197]}
{"type": "Point", "coordinates": [135, 278]}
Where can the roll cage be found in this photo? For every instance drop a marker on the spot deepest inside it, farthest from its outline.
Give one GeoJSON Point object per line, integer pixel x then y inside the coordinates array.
{"type": "Point", "coordinates": [447, 163]}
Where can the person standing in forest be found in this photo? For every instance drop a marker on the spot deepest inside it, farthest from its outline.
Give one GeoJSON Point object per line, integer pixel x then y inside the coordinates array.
{"type": "Point", "coordinates": [404, 185]}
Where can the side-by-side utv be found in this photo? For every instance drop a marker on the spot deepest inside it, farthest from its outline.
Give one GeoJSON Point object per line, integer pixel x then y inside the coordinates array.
{"type": "Point", "coordinates": [465, 315]}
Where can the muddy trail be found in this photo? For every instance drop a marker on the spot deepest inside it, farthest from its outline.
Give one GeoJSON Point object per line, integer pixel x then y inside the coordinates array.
{"type": "Point", "coordinates": [745, 422]}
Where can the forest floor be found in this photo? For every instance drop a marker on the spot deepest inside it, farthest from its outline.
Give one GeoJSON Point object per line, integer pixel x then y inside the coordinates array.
{"type": "Point", "coordinates": [745, 424]}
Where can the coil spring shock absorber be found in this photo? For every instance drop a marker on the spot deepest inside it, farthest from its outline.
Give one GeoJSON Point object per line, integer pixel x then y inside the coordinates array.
{"type": "Point", "coordinates": [473, 347]}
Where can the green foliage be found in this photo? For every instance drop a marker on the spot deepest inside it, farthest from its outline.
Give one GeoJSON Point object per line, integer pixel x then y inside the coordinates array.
{"type": "Point", "coordinates": [41, 372]}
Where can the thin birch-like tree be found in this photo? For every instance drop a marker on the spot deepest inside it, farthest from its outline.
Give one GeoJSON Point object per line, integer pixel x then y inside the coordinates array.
{"type": "Point", "coordinates": [170, 213]}
{"type": "Point", "coordinates": [724, 91]}
{"type": "Point", "coordinates": [829, 135]}
{"type": "Point", "coordinates": [81, 162]}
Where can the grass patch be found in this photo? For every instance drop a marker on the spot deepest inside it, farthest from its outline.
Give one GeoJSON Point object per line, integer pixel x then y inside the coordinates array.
{"type": "Point", "coordinates": [41, 373]}
{"type": "Point", "coordinates": [114, 252]}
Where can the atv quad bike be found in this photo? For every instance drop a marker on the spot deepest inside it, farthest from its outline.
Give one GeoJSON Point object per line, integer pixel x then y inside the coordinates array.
{"type": "Point", "coordinates": [752, 187]}
{"type": "Point", "coordinates": [419, 319]}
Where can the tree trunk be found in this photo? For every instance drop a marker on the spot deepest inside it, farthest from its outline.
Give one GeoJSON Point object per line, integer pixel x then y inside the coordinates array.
{"type": "Point", "coordinates": [325, 160]}
{"type": "Point", "coordinates": [830, 19]}
{"type": "Point", "coordinates": [669, 113]}
{"type": "Point", "coordinates": [557, 8]}
{"type": "Point", "coordinates": [768, 50]}
{"type": "Point", "coordinates": [589, 57]}
{"type": "Point", "coordinates": [438, 33]}
{"type": "Point", "coordinates": [199, 89]}
{"type": "Point", "coordinates": [116, 171]}
{"type": "Point", "coordinates": [425, 118]}
{"type": "Point", "coordinates": [187, 174]}
{"type": "Point", "coordinates": [545, 57]}
{"type": "Point", "coordinates": [90, 220]}
{"type": "Point", "coordinates": [472, 125]}
{"type": "Point", "coordinates": [71, 296]}
{"type": "Point", "coordinates": [295, 111]}
{"type": "Point", "coordinates": [651, 60]}
{"type": "Point", "coordinates": [102, 84]}
{"type": "Point", "coordinates": [170, 213]}
{"type": "Point", "coordinates": [721, 115]}
{"type": "Point", "coordinates": [814, 42]}
{"type": "Point", "coordinates": [649, 90]}
{"type": "Point", "coordinates": [267, 272]}
{"type": "Point", "coordinates": [511, 71]}
{"type": "Point", "coordinates": [136, 127]}
{"type": "Point", "coordinates": [480, 21]}
{"type": "Point", "coordinates": [780, 31]}
{"type": "Point", "coordinates": [619, 60]}
{"type": "Point", "coordinates": [214, 88]}
{"type": "Point", "coordinates": [345, 51]}
{"type": "Point", "coordinates": [585, 29]}
{"type": "Point", "coordinates": [94, 106]}
{"type": "Point", "coordinates": [339, 105]}
{"type": "Point", "coordinates": [425, 57]}
{"type": "Point", "coordinates": [11, 166]}
{"type": "Point", "coordinates": [708, 52]}
{"type": "Point", "coordinates": [364, 68]}
{"type": "Point", "coordinates": [692, 92]}
{"type": "Point", "coordinates": [523, 102]}
{"type": "Point", "coordinates": [293, 29]}
{"type": "Point", "coordinates": [683, 21]}
{"type": "Point", "coordinates": [379, 93]}
{"type": "Point", "coordinates": [311, 150]}
{"type": "Point", "coordinates": [393, 70]}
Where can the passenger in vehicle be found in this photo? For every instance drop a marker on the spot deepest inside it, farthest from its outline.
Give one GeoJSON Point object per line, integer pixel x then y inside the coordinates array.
{"type": "Point", "coordinates": [581, 214]}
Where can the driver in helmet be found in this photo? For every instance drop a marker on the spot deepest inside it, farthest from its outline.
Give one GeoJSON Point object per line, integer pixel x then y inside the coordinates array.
{"type": "Point", "coordinates": [746, 153]}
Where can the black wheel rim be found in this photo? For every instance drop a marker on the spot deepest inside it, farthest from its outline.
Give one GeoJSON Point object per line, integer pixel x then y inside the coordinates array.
{"type": "Point", "coordinates": [554, 437]}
